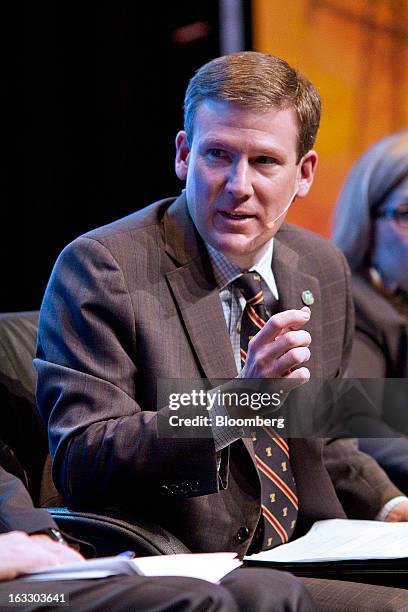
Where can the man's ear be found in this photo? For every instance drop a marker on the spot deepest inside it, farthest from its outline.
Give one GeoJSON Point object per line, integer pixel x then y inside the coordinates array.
{"type": "Point", "coordinates": [308, 165]}
{"type": "Point", "coordinates": [182, 153]}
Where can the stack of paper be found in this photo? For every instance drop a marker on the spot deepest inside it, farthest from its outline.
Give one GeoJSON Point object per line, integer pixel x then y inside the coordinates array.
{"type": "Point", "coordinates": [342, 540]}
{"type": "Point", "coordinates": [207, 566]}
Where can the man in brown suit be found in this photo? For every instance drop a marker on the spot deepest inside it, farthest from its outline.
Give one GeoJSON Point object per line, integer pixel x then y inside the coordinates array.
{"type": "Point", "coordinates": [144, 299]}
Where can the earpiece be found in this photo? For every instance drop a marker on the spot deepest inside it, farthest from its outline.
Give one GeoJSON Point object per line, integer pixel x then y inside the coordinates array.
{"type": "Point", "coordinates": [270, 224]}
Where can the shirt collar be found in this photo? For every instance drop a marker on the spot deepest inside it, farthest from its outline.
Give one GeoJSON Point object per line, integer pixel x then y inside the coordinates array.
{"type": "Point", "coordinates": [225, 271]}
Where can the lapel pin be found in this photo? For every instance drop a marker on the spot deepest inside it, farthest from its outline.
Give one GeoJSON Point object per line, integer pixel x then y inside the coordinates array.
{"type": "Point", "coordinates": [307, 297]}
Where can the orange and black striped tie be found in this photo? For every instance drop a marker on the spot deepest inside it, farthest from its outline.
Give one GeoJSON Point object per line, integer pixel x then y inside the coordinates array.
{"type": "Point", "coordinates": [278, 489]}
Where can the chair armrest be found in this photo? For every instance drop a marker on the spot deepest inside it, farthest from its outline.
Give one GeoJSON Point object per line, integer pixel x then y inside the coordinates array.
{"type": "Point", "coordinates": [112, 535]}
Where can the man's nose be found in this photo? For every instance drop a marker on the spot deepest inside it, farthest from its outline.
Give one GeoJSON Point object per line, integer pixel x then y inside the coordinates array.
{"type": "Point", "coordinates": [239, 183]}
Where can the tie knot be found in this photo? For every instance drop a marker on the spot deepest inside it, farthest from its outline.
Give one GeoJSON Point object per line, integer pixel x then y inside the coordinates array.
{"type": "Point", "coordinates": [250, 285]}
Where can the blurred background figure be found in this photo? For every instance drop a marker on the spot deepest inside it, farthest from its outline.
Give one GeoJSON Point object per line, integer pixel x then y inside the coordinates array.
{"type": "Point", "coordinates": [371, 228]}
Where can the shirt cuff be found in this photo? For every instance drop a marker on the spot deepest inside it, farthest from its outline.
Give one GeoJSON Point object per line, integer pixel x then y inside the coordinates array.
{"type": "Point", "coordinates": [224, 435]}
{"type": "Point", "coordinates": [382, 515]}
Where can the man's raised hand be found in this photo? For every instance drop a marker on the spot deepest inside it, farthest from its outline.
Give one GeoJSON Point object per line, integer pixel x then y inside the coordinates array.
{"type": "Point", "coordinates": [280, 346]}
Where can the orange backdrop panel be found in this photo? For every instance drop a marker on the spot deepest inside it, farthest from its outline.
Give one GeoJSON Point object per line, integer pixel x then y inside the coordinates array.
{"type": "Point", "coordinates": [355, 52]}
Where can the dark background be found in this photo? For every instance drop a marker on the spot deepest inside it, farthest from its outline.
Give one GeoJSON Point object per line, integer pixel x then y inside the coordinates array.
{"type": "Point", "coordinates": [93, 98]}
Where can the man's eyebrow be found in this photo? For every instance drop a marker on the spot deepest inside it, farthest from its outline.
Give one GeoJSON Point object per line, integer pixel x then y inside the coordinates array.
{"type": "Point", "coordinates": [216, 143]}
{"type": "Point", "coordinates": [260, 151]}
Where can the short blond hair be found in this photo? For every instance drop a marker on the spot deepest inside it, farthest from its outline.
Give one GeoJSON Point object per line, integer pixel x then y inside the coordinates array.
{"type": "Point", "coordinates": [259, 81]}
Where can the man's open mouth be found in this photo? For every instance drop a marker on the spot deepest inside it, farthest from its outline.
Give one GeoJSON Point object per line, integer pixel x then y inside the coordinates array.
{"type": "Point", "coordinates": [236, 216]}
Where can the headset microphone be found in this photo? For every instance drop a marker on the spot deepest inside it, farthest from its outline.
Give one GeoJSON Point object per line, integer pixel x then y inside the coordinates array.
{"type": "Point", "coordinates": [270, 224]}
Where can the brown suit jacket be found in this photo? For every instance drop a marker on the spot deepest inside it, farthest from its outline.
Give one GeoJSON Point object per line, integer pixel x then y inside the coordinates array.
{"type": "Point", "coordinates": [136, 301]}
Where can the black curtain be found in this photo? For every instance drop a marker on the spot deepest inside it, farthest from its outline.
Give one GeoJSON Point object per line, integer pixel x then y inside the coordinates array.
{"type": "Point", "coordinates": [94, 96]}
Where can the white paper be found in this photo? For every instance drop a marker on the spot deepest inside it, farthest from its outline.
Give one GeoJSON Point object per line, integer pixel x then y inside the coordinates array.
{"type": "Point", "coordinates": [342, 540]}
{"type": "Point", "coordinates": [207, 566]}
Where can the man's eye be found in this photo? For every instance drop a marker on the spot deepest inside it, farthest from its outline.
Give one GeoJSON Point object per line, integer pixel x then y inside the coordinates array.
{"type": "Point", "coordinates": [265, 159]}
{"type": "Point", "coordinates": [217, 153]}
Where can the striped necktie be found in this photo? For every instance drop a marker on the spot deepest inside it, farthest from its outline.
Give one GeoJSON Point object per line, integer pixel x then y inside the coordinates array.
{"type": "Point", "coordinates": [278, 489]}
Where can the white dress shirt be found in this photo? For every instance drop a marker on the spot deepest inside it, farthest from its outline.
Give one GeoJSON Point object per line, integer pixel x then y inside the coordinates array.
{"type": "Point", "coordinates": [233, 302]}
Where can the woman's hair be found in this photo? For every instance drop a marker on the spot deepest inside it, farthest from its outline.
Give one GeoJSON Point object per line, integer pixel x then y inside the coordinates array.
{"type": "Point", "coordinates": [372, 178]}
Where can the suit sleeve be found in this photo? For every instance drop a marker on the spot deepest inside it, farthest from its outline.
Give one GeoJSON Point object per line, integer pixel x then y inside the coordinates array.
{"type": "Point", "coordinates": [361, 484]}
{"type": "Point", "coordinates": [16, 508]}
{"type": "Point", "coordinates": [107, 451]}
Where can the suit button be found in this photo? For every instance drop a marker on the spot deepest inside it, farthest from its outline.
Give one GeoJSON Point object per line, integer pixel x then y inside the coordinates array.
{"type": "Point", "coordinates": [242, 534]}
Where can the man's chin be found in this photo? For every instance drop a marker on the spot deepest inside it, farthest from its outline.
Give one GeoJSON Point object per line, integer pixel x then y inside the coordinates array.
{"type": "Point", "coordinates": [241, 252]}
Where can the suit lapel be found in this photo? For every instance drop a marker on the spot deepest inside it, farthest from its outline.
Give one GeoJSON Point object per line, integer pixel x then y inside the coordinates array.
{"type": "Point", "coordinates": [196, 294]}
{"type": "Point", "coordinates": [291, 283]}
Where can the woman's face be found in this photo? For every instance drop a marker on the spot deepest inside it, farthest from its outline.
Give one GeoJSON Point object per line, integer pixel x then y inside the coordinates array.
{"type": "Point", "coordinates": [391, 238]}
